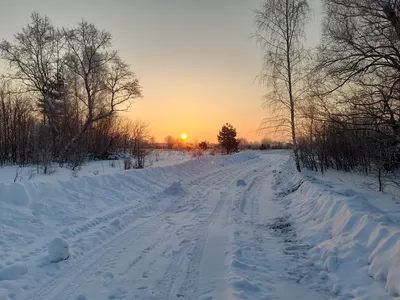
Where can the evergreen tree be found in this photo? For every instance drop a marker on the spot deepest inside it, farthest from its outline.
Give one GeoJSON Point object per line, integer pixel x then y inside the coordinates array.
{"type": "Point", "coordinates": [203, 145]}
{"type": "Point", "coordinates": [227, 139]}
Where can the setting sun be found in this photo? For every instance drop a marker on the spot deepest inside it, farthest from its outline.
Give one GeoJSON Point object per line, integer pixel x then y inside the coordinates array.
{"type": "Point", "coordinates": [183, 136]}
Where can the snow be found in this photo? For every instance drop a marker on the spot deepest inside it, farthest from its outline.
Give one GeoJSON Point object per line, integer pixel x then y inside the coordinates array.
{"type": "Point", "coordinates": [331, 263]}
{"type": "Point", "coordinates": [240, 182]}
{"type": "Point", "coordinates": [58, 250]}
{"type": "Point", "coordinates": [13, 272]}
{"type": "Point", "coordinates": [158, 158]}
{"type": "Point", "coordinates": [351, 232]}
{"type": "Point", "coordinates": [246, 226]}
{"type": "Point", "coordinates": [174, 189]}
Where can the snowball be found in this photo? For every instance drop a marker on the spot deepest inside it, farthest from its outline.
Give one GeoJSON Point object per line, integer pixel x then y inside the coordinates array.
{"type": "Point", "coordinates": [240, 182]}
{"type": "Point", "coordinates": [13, 272]}
{"type": "Point", "coordinates": [58, 250]}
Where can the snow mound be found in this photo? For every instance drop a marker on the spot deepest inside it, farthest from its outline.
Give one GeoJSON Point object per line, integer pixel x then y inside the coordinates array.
{"type": "Point", "coordinates": [174, 189]}
{"type": "Point", "coordinates": [240, 182]}
{"type": "Point", "coordinates": [13, 272]}
{"type": "Point", "coordinates": [58, 250]}
{"type": "Point", "coordinates": [349, 235]}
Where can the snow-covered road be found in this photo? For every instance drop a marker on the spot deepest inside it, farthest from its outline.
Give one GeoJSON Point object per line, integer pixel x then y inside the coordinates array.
{"type": "Point", "coordinates": [216, 237]}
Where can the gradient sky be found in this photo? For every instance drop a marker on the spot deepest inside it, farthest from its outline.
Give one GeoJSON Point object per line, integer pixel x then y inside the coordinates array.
{"type": "Point", "coordinates": [194, 58]}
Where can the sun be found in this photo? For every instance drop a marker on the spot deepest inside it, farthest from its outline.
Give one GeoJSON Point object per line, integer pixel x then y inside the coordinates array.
{"type": "Point", "coordinates": [184, 136]}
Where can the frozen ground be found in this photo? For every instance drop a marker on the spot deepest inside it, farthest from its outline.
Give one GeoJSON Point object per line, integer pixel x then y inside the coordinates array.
{"type": "Point", "coordinates": [245, 226]}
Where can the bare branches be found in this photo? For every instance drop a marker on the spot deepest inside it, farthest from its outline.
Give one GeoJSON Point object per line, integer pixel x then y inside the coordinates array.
{"type": "Point", "coordinates": [360, 36]}
{"type": "Point", "coordinates": [280, 29]}
{"type": "Point", "coordinates": [75, 75]}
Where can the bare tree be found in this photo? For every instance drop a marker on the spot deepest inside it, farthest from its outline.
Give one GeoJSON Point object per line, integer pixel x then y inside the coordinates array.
{"type": "Point", "coordinates": [103, 83]}
{"type": "Point", "coordinates": [170, 141]}
{"type": "Point", "coordinates": [35, 58]}
{"type": "Point", "coordinates": [360, 57]}
{"type": "Point", "coordinates": [243, 143]}
{"type": "Point", "coordinates": [141, 142]}
{"type": "Point", "coordinates": [75, 74]}
{"type": "Point", "coordinates": [280, 29]}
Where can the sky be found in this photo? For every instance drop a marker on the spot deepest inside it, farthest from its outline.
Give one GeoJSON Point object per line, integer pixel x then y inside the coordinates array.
{"type": "Point", "coordinates": [194, 59]}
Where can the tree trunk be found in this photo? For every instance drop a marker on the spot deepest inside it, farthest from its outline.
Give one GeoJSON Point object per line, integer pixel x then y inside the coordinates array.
{"type": "Point", "coordinates": [290, 89]}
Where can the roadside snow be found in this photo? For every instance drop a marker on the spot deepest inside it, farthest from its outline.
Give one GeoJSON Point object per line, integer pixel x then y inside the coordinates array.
{"type": "Point", "coordinates": [350, 231]}
{"type": "Point", "coordinates": [158, 158]}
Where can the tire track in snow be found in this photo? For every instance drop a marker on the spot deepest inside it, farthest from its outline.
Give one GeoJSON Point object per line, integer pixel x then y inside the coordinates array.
{"type": "Point", "coordinates": [259, 265]}
{"type": "Point", "coordinates": [250, 272]}
{"type": "Point", "coordinates": [67, 284]}
{"type": "Point", "coordinates": [193, 251]}
{"type": "Point", "coordinates": [174, 269]}
{"type": "Point", "coordinates": [64, 286]}
{"type": "Point", "coordinates": [198, 196]}
{"type": "Point", "coordinates": [189, 288]}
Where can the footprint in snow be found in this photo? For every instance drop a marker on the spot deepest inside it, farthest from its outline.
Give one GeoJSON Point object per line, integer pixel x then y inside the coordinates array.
{"type": "Point", "coordinates": [108, 278]}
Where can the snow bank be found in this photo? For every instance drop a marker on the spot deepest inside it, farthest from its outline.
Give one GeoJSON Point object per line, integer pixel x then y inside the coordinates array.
{"type": "Point", "coordinates": [158, 158]}
{"type": "Point", "coordinates": [351, 239]}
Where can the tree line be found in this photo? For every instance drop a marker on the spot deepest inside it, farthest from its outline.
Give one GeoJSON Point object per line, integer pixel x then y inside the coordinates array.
{"type": "Point", "coordinates": [60, 97]}
{"type": "Point", "coordinates": [341, 100]}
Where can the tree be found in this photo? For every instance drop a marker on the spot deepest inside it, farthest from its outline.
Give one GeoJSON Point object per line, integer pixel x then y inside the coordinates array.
{"type": "Point", "coordinates": [352, 121]}
{"type": "Point", "coordinates": [36, 60]}
{"type": "Point", "coordinates": [244, 143]}
{"type": "Point", "coordinates": [280, 29]}
{"type": "Point", "coordinates": [203, 145]}
{"type": "Point", "coordinates": [101, 82]}
{"type": "Point", "coordinates": [359, 56]}
{"type": "Point", "coordinates": [170, 141]}
{"type": "Point", "coordinates": [141, 142]}
{"type": "Point", "coordinates": [76, 76]}
{"type": "Point", "coordinates": [227, 138]}
{"type": "Point", "coordinates": [179, 143]}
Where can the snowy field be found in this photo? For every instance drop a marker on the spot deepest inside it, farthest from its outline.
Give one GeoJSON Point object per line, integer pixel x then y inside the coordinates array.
{"type": "Point", "coordinates": [245, 226]}
{"type": "Point", "coordinates": [158, 158]}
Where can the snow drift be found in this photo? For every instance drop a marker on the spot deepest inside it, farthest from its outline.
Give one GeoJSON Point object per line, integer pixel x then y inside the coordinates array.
{"type": "Point", "coordinates": [350, 238]}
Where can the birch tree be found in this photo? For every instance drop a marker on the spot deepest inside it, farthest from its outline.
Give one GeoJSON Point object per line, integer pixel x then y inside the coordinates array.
{"type": "Point", "coordinates": [279, 32]}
